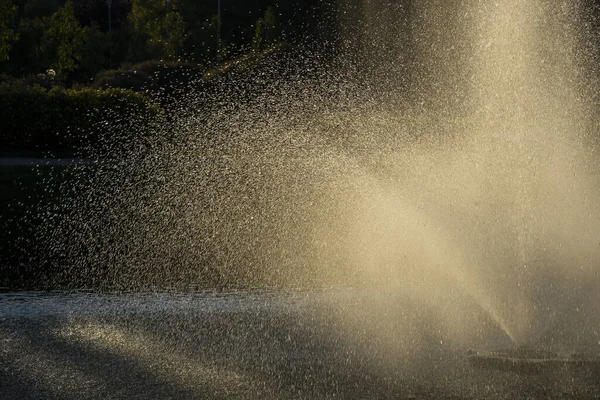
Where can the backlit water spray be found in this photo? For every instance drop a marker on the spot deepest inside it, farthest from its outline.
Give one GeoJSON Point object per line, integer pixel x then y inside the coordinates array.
{"type": "Point", "coordinates": [447, 161]}
{"type": "Point", "coordinates": [495, 193]}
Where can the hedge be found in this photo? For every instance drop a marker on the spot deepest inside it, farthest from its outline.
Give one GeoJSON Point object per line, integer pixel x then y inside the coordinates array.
{"type": "Point", "coordinates": [68, 121]}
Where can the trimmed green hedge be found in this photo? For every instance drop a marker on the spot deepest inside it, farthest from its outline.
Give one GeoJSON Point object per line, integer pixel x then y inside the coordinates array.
{"type": "Point", "coordinates": [68, 121]}
{"type": "Point", "coordinates": [148, 75]}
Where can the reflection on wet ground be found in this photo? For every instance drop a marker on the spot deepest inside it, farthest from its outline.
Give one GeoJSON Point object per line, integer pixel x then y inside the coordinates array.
{"type": "Point", "coordinates": [246, 345]}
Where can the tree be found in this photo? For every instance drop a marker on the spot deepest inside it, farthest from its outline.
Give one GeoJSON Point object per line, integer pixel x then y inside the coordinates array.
{"type": "Point", "coordinates": [162, 32]}
{"type": "Point", "coordinates": [63, 41]}
{"type": "Point", "coordinates": [26, 55]}
{"type": "Point", "coordinates": [203, 40]}
{"type": "Point", "coordinates": [174, 33]}
{"type": "Point", "coordinates": [8, 36]}
{"type": "Point", "coordinates": [265, 31]}
{"type": "Point", "coordinates": [94, 50]}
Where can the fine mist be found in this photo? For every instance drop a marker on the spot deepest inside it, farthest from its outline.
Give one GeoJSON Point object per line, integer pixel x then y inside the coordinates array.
{"type": "Point", "coordinates": [446, 161]}
{"type": "Point", "coordinates": [496, 197]}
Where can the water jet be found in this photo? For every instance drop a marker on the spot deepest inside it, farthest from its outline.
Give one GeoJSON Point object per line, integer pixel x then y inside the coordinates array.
{"type": "Point", "coordinates": [532, 361]}
{"type": "Point", "coordinates": [448, 199]}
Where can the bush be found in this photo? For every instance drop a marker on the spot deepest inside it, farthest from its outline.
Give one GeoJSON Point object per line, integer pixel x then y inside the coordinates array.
{"type": "Point", "coordinates": [150, 76]}
{"type": "Point", "coordinates": [81, 122]}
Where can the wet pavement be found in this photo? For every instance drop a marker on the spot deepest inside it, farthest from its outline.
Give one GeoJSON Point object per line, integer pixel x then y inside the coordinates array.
{"type": "Point", "coordinates": [246, 346]}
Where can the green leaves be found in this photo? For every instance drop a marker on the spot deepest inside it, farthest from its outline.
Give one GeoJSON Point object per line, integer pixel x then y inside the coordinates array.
{"type": "Point", "coordinates": [175, 34]}
{"type": "Point", "coordinates": [63, 41]}
{"type": "Point", "coordinates": [265, 31]}
{"type": "Point", "coordinates": [162, 32]}
{"type": "Point", "coordinates": [8, 36]}
{"type": "Point", "coordinates": [94, 51]}
{"type": "Point", "coordinates": [70, 121]}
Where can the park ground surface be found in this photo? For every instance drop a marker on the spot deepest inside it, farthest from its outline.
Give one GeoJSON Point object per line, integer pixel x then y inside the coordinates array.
{"type": "Point", "coordinates": [239, 345]}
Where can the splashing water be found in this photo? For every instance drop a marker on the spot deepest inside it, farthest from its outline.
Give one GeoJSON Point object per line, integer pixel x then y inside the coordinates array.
{"type": "Point", "coordinates": [504, 206]}
{"type": "Point", "coordinates": [448, 154]}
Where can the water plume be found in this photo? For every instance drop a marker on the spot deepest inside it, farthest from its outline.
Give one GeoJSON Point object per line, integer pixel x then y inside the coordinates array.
{"type": "Point", "coordinates": [446, 156]}
{"type": "Point", "coordinates": [505, 203]}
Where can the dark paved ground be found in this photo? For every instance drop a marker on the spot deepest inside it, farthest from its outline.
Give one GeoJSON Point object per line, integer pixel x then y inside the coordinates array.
{"type": "Point", "coordinates": [301, 350]}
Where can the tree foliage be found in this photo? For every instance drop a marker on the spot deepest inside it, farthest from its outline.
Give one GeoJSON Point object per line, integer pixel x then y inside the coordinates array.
{"type": "Point", "coordinates": [163, 33]}
{"type": "Point", "coordinates": [265, 30]}
{"type": "Point", "coordinates": [26, 55]}
{"type": "Point", "coordinates": [63, 41]}
{"type": "Point", "coordinates": [94, 50]}
{"type": "Point", "coordinates": [175, 33]}
{"type": "Point", "coordinates": [8, 36]}
{"type": "Point", "coordinates": [73, 36]}
{"type": "Point", "coordinates": [71, 121]}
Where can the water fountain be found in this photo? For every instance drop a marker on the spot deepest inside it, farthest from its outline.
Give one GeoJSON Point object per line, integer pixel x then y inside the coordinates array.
{"type": "Point", "coordinates": [503, 206]}
{"type": "Point", "coordinates": [441, 178]}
